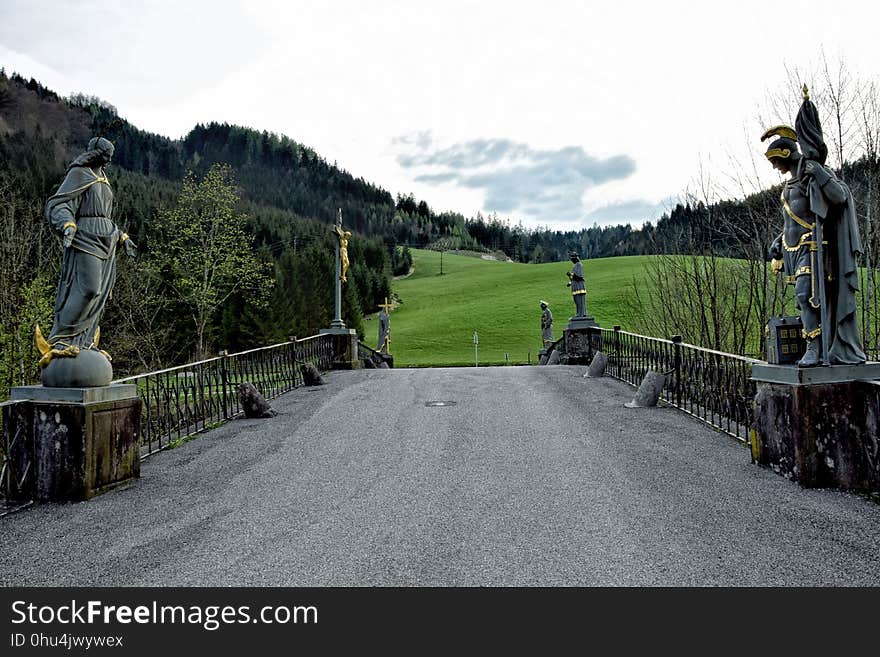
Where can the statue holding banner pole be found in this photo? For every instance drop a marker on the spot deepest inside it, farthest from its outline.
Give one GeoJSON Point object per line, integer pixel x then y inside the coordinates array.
{"type": "Point", "coordinates": [819, 245]}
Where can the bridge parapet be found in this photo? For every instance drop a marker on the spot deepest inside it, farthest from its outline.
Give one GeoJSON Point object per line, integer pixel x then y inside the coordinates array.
{"type": "Point", "coordinates": [711, 385]}
{"type": "Point", "coordinates": [172, 404]}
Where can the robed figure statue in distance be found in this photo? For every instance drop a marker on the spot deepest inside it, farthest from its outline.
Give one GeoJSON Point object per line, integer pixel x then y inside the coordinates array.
{"type": "Point", "coordinates": [577, 285]}
{"type": "Point", "coordinates": [546, 324]}
{"type": "Point", "coordinates": [384, 328]}
{"type": "Point", "coordinates": [80, 213]}
{"type": "Point", "coordinates": [819, 244]}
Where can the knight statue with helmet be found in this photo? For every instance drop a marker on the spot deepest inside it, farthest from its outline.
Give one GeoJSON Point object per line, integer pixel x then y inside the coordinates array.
{"type": "Point", "coordinates": [819, 246]}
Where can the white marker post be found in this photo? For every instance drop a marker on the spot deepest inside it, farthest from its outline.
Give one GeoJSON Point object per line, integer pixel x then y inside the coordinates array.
{"type": "Point", "coordinates": [476, 344]}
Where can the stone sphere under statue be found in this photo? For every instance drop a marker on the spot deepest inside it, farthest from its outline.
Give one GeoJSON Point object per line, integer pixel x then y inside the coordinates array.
{"type": "Point", "coordinates": [88, 369]}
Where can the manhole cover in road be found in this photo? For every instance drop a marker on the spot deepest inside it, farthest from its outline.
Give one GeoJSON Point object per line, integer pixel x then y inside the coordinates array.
{"type": "Point", "coordinates": [440, 403]}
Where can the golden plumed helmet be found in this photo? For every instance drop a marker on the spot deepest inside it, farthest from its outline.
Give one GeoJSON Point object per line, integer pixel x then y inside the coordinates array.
{"type": "Point", "coordinates": [783, 147]}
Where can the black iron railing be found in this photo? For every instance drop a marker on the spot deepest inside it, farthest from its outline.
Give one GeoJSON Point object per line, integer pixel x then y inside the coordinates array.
{"type": "Point", "coordinates": [713, 386]}
{"type": "Point", "coordinates": [14, 474]}
{"type": "Point", "coordinates": [182, 401]}
{"type": "Point", "coordinates": [368, 353]}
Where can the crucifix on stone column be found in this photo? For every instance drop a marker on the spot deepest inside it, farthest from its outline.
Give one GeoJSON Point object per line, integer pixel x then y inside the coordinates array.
{"type": "Point", "coordinates": [341, 267]}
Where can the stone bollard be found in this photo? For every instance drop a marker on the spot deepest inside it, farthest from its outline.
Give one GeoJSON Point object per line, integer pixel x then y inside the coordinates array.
{"type": "Point", "coordinates": [648, 393]}
{"type": "Point", "coordinates": [554, 358]}
{"type": "Point", "coordinates": [253, 403]}
{"type": "Point", "coordinates": [597, 366]}
{"type": "Point", "coordinates": [311, 375]}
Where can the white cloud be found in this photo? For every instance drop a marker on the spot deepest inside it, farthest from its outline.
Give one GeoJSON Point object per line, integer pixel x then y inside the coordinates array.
{"type": "Point", "coordinates": [544, 185]}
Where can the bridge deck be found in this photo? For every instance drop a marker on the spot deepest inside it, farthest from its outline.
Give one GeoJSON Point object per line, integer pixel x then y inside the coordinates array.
{"type": "Point", "coordinates": [535, 476]}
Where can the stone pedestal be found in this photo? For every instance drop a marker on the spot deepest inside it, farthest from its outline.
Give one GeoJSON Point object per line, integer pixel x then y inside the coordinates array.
{"type": "Point", "coordinates": [582, 340]}
{"type": "Point", "coordinates": [345, 348]}
{"type": "Point", "coordinates": [584, 322]}
{"type": "Point", "coordinates": [819, 426]}
{"type": "Point", "coordinates": [70, 444]}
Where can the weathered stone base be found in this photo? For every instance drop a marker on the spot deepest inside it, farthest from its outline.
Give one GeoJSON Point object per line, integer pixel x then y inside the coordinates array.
{"type": "Point", "coordinates": [582, 343]}
{"type": "Point", "coordinates": [581, 322]}
{"type": "Point", "coordinates": [822, 435]}
{"type": "Point", "coordinates": [345, 348]}
{"type": "Point", "coordinates": [70, 451]}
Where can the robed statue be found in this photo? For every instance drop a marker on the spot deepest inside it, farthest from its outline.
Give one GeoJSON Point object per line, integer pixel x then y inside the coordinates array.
{"type": "Point", "coordinates": [546, 324]}
{"type": "Point", "coordinates": [819, 245]}
{"type": "Point", "coordinates": [577, 284]}
{"type": "Point", "coordinates": [384, 331]}
{"type": "Point", "coordinates": [80, 213]}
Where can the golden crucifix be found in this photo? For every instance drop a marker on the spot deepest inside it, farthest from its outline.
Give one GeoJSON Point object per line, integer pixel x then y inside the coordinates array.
{"type": "Point", "coordinates": [343, 236]}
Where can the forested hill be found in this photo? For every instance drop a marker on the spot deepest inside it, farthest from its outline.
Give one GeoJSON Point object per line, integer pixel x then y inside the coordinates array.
{"type": "Point", "coordinates": [272, 170]}
{"type": "Point", "coordinates": [288, 194]}
{"type": "Point", "coordinates": [41, 132]}
{"type": "Point", "coordinates": [278, 174]}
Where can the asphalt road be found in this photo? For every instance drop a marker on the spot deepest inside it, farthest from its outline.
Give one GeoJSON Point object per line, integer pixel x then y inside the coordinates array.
{"type": "Point", "coordinates": [535, 476]}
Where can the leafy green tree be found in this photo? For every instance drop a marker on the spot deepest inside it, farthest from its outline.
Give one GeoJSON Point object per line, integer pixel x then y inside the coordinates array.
{"type": "Point", "coordinates": [205, 252]}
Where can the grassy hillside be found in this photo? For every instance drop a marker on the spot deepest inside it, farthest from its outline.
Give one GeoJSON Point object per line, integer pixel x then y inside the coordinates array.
{"type": "Point", "coordinates": [436, 321]}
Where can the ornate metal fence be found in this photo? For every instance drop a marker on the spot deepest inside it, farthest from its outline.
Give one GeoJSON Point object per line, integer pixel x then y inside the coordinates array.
{"type": "Point", "coordinates": [713, 386]}
{"type": "Point", "coordinates": [181, 401]}
{"type": "Point", "coordinates": [370, 357]}
{"type": "Point", "coordinates": [13, 474]}
{"type": "Point", "coordinates": [368, 353]}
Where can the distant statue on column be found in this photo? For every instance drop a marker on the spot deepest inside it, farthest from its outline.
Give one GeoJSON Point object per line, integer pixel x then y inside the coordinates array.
{"type": "Point", "coordinates": [546, 324]}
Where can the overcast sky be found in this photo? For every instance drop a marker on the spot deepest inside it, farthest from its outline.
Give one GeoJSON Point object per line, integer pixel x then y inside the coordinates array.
{"type": "Point", "coordinates": [553, 113]}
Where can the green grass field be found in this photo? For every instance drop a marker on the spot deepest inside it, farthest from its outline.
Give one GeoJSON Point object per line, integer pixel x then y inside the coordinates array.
{"type": "Point", "coordinates": [436, 321]}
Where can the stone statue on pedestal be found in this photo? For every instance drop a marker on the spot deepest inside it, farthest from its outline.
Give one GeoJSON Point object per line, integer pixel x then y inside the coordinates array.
{"type": "Point", "coordinates": [819, 245]}
{"type": "Point", "coordinates": [577, 285]}
{"type": "Point", "coordinates": [80, 213]}
{"type": "Point", "coordinates": [546, 324]}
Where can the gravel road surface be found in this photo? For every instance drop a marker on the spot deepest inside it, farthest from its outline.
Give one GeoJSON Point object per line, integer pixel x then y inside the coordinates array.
{"type": "Point", "coordinates": [531, 476]}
